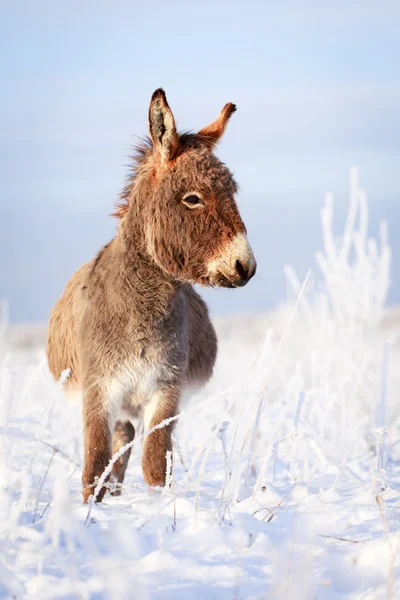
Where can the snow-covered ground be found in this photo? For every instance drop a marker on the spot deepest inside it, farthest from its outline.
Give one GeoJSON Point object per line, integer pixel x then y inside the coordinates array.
{"type": "Point", "coordinates": [286, 479]}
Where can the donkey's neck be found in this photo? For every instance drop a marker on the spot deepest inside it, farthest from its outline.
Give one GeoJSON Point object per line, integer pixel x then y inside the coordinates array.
{"type": "Point", "coordinates": [137, 279]}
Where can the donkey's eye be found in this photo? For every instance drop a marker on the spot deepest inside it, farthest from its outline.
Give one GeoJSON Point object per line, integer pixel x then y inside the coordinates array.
{"type": "Point", "coordinates": [192, 201]}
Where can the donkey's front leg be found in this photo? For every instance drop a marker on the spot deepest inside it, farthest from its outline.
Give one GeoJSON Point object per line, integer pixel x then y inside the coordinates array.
{"type": "Point", "coordinates": [163, 405]}
{"type": "Point", "coordinates": [97, 427]}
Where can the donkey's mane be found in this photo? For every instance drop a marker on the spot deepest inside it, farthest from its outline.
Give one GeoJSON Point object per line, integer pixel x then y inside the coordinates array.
{"type": "Point", "coordinates": [141, 152]}
{"type": "Point", "coordinates": [139, 155]}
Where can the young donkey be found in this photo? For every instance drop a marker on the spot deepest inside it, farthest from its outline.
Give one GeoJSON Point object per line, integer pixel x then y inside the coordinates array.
{"type": "Point", "coordinates": [129, 324]}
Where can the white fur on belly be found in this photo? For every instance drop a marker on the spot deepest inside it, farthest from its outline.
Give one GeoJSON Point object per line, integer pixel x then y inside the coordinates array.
{"type": "Point", "coordinates": [134, 384]}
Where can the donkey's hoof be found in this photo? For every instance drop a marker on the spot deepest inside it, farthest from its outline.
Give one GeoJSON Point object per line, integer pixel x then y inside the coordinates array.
{"type": "Point", "coordinates": [86, 495]}
{"type": "Point", "coordinates": [89, 491]}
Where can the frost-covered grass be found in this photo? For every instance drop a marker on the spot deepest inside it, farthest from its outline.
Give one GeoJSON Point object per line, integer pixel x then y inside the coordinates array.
{"type": "Point", "coordinates": [286, 473]}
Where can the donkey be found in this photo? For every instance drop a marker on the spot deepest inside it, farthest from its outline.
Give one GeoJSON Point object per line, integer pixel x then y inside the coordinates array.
{"type": "Point", "coordinates": [130, 326]}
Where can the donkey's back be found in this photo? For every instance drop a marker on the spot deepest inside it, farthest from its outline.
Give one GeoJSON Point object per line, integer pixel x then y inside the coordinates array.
{"type": "Point", "coordinates": [62, 336]}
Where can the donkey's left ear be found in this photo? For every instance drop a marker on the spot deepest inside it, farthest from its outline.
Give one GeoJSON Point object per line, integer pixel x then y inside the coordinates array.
{"type": "Point", "coordinates": [162, 126]}
{"type": "Point", "coordinates": [212, 133]}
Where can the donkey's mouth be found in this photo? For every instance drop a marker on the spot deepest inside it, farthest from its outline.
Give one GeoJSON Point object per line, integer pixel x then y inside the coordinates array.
{"type": "Point", "coordinates": [223, 281]}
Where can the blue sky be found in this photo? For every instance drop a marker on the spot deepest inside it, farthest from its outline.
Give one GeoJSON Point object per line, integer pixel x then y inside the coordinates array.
{"type": "Point", "coordinates": [317, 88]}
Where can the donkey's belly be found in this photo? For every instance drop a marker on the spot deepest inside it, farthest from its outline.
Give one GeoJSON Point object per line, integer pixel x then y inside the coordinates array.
{"type": "Point", "coordinates": [139, 383]}
{"type": "Point", "coordinates": [134, 384]}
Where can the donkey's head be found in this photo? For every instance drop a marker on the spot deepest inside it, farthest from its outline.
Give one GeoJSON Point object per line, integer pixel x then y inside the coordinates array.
{"type": "Point", "coordinates": [193, 229]}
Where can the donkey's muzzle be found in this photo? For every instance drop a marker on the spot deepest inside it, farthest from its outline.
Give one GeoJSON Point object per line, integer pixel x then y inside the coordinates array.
{"type": "Point", "coordinates": [235, 265]}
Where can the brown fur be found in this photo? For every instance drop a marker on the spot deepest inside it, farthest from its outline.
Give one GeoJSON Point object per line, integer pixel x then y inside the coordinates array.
{"type": "Point", "coordinates": [123, 434]}
{"type": "Point", "coordinates": [215, 130]}
{"type": "Point", "coordinates": [129, 325]}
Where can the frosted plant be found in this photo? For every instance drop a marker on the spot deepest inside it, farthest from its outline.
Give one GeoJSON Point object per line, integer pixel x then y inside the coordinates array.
{"type": "Point", "coordinates": [356, 271]}
{"type": "Point", "coordinates": [330, 370]}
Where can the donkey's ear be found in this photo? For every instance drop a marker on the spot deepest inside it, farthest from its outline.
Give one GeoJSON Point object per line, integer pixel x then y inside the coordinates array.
{"type": "Point", "coordinates": [162, 126]}
{"type": "Point", "coordinates": [212, 133]}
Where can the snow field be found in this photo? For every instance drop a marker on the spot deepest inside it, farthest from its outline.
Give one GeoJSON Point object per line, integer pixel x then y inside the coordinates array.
{"type": "Point", "coordinates": [286, 471]}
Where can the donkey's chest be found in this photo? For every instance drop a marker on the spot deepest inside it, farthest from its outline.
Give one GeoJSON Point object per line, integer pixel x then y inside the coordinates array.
{"type": "Point", "coordinates": [145, 357]}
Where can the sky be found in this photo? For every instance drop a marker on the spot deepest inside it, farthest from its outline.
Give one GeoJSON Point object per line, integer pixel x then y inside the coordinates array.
{"type": "Point", "coordinates": [317, 87]}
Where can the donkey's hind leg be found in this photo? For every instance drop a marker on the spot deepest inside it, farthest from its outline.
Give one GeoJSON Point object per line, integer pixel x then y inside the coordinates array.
{"type": "Point", "coordinates": [124, 432]}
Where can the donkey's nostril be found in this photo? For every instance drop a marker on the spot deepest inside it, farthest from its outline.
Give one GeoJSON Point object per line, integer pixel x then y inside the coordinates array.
{"type": "Point", "coordinates": [241, 271]}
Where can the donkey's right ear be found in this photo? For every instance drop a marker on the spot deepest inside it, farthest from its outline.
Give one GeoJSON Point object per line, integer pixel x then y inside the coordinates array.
{"type": "Point", "coordinates": [162, 126]}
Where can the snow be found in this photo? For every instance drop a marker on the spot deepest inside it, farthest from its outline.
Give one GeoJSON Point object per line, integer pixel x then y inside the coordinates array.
{"type": "Point", "coordinates": [286, 478]}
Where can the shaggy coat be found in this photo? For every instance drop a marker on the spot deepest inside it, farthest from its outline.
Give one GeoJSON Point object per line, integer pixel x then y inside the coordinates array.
{"type": "Point", "coordinates": [129, 325]}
